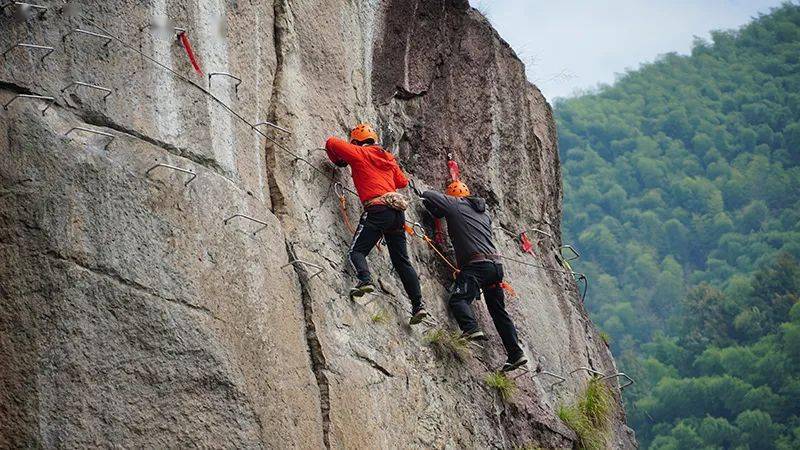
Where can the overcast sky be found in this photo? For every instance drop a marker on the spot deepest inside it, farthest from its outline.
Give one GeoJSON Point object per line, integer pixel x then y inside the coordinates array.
{"type": "Point", "coordinates": [570, 45]}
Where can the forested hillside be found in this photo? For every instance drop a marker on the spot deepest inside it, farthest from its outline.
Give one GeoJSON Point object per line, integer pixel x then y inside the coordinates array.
{"type": "Point", "coordinates": [682, 189]}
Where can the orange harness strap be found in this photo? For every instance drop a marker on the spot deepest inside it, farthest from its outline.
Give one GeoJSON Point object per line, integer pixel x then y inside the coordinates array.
{"type": "Point", "coordinates": [343, 210]}
{"type": "Point", "coordinates": [506, 287]}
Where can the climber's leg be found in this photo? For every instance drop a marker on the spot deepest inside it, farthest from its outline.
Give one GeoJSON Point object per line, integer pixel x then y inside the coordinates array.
{"type": "Point", "coordinates": [462, 293]}
{"type": "Point", "coordinates": [368, 232]}
{"type": "Point", "coordinates": [398, 253]}
{"type": "Point", "coordinates": [495, 302]}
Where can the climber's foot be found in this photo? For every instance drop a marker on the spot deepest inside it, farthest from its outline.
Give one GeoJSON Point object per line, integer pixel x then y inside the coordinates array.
{"type": "Point", "coordinates": [475, 335]}
{"type": "Point", "coordinates": [363, 287]}
{"type": "Point", "coordinates": [514, 363]}
{"type": "Point", "coordinates": [418, 315]}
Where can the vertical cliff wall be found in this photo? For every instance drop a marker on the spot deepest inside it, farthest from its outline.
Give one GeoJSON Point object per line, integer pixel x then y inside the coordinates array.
{"type": "Point", "coordinates": [132, 314]}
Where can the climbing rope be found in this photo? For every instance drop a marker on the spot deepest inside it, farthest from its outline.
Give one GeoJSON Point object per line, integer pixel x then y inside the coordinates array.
{"type": "Point", "coordinates": [338, 190]}
{"type": "Point", "coordinates": [412, 230]}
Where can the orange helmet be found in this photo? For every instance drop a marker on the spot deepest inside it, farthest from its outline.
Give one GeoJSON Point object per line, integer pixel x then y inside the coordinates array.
{"type": "Point", "coordinates": [457, 189]}
{"type": "Point", "coordinates": [363, 132]}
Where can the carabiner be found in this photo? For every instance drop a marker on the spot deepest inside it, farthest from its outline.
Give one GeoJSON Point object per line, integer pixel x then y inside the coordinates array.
{"type": "Point", "coordinates": [338, 189]}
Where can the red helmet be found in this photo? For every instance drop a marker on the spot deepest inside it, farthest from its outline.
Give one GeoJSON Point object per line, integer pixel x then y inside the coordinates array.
{"type": "Point", "coordinates": [362, 133]}
{"type": "Point", "coordinates": [457, 189]}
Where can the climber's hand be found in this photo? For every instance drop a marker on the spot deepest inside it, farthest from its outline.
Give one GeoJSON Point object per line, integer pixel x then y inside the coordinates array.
{"type": "Point", "coordinates": [413, 187]}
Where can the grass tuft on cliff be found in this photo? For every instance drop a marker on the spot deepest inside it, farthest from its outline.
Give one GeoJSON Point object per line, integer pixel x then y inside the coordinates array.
{"type": "Point", "coordinates": [447, 344]}
{"type": "Point", "coordinates": [380, 317]}
{"type": "Point", "coordinates": [590, 416]}
{"type": "Point", "coordinates": [502, 384]}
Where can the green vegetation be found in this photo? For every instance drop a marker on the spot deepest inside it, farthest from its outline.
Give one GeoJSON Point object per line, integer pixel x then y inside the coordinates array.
{"type": "Point", "coordinates": [590, 416]}
{"type": "Point", "coordinates": [502, 384]}
{"type": "Point", "coordinates": [682, 190]}
{"type": "Point", "coordinates": [380, 317]}
{"type": "Point", "coordinates": [448, 344]}
{"type": "Point", "coordinates": [605, 337]}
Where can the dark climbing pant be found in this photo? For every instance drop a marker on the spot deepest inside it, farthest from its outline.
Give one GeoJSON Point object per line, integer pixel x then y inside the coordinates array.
{"type": "Point", "coordinates": [486, 276]}
{"type": "Point", "coordinates": [377, 221]}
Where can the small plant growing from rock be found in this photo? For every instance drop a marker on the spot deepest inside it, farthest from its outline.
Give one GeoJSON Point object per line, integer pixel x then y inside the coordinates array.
{"type": "Point", "coordinates": [528, 447]}
{"type": "Point", "coordinates": [502, 384]}
{"type": "Point", "coordinates": [605, 337]}
{"type": "Point", "coordinates": [380, 317]}
{"type": "Point", "coordinates": [590, 416]}
{"type": "Point", "coordinates": [445, 343]}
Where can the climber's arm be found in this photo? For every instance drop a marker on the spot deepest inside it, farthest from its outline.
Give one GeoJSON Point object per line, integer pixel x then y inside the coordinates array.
{"type": "Point", "coordinates": [341, 152]}
{"type": "Point", "coordinates": [400, 179]}
{"type": "Point", "coordinates": [436, 203]}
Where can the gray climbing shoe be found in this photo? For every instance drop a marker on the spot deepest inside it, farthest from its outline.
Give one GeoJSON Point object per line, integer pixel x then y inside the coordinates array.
{"type": "Point", "coordinates": [514, 364]}
{"type": "Point", "coordinates": [476, 335]}
{"type": "Point", "coordinates": [363, 287]}
{"type": "Point", "coordinates": [418, 315]}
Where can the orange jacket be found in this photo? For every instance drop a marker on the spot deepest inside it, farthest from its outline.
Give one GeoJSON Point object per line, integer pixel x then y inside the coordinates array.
{"type": "Point", "coordinates": [375, 171]}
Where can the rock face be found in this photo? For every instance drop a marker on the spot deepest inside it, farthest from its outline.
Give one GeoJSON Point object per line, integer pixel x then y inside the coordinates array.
{"type": "Point", "coordinates": [133, 314]}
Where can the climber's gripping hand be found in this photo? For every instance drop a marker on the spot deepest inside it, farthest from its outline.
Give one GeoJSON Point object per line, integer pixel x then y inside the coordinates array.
{"type": "Point", "coordinates": [413, 187]}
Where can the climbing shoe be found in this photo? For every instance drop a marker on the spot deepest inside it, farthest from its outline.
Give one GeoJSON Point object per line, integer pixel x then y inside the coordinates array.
{"type": "Point", "coordinates": [363, 287]}
{"type": "Point", "coordinates": [513, 364]}
{"type": "Point", "coordinates": [476, 335]}
{"type": "Point", "coordinates": [418, 315]}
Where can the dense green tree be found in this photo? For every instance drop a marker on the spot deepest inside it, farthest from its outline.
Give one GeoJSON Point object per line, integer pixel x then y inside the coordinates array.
{"type": "Point", "coordinates": [682, 189]}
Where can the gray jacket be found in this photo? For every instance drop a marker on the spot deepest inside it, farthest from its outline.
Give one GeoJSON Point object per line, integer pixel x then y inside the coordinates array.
{"type": "Point", "coordinates": [469, 226]}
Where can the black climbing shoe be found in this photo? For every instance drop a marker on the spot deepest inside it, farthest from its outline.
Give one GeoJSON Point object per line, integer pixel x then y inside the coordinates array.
{"type": "Point", "coordinates": [476, 335]}
{"type": "Point", "coordinates": [363, 287]}
{"type": "Point", "coordinates": [418, 315]}
{"type": "Point", "coordinates": [514, 364]}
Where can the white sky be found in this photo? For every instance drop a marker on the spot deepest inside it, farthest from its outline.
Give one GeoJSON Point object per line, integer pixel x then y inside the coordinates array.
{"type": "Point", "coordinates": [570, 45]}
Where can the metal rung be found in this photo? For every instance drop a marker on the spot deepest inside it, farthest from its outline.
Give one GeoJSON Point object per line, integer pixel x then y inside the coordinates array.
{"type": "Point", "coordinates": [225, 74]}
{"type": "Point", "coordinates": [243, 216]}
{"type": "Point", "coordinates": [578, 277]}
{"type": "Point", "coordinates": [575, 254]}
{"type": "Point", "coordinates": [588, 370]}
{"type": "Point", "coordinates": [320, 269]}
{"type": "Point", "coordinates": [89, 130]}
{"type": "Point", "coordinates": [90, 86]}
{"type": "Point", "coordinates": [31, 46]}
{"type": "Point", "coordinates": [50, 100]}
{"type": "Point", "coordinates": [24, 5]}
{"type": "Point", "coordinates": [167, 166]}
{"type": "Point", "coordinates": [538, 231]}
{"type": "Point", "coordinates": [618, 375]}
{"type": "Point", "coordinates": [89, 33]}
{"type": "Point", "coordinates": [429, 323]}
{"type": "Point", "coordinates": [270, 124]}
{"type": "Point", "coordinates": [476, 345]}
{"type": "Point", "coordinates": [561, 380]}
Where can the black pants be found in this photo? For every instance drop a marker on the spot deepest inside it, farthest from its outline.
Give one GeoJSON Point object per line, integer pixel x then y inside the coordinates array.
{"type": "Point", "coordinates": [485, 276]}
{"type": "Point", "coordinates": [383, 221]}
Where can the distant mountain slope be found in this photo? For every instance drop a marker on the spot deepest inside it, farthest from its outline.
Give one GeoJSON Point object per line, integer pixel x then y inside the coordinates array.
{"type": "Point", "coordinates": [682, 189]}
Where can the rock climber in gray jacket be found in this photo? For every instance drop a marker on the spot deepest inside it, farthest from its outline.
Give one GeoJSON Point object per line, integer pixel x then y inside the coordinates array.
{"type": "Point", "coordinates": [470, 230]}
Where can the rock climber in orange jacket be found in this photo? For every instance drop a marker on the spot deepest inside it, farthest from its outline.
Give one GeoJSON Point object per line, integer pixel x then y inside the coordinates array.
{"type": "Point", "coordinates": [377, 177]}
